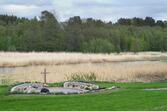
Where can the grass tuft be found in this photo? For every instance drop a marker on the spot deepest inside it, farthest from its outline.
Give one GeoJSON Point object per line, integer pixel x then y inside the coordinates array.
{"type": "Point", "coordinates": [82, 77]}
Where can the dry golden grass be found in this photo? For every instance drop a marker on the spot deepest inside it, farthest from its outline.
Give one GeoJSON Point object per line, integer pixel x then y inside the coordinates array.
{"type": "Point", "coordinates": [119, 72]}
{"type": "Point", "coordinates": [61, 65]}
{"type": "Point", "coordinates": [27, 59]}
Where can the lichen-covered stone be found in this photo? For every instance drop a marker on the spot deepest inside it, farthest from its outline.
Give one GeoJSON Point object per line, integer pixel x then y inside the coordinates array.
{"type": "Point", "coordinates": [81, 85]}
{"type": "Point", "coordinates": [27, 88]}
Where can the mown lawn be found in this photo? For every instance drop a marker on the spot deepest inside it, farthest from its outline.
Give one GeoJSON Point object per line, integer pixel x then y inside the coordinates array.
{"type": "Point", "coordinates": [131, 97]}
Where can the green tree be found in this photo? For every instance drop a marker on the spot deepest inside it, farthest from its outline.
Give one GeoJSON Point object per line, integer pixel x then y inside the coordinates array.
{"type": "Point", "coordinates": [124, 21]}
{"type": "Point", "coordinates": [98, 46]}
{"type": "Point", "coordinates": [149, 21]}
{"type": "Point", "coordinates": [52, 33]}
{"type": "Point", "coordinates": [73, 33]}
{"type": "Point", "coordinates": [160, 23]}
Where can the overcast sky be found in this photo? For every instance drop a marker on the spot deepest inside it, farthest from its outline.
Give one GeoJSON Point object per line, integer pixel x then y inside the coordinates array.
{"type": "Point", "coordinates": [107, 10]}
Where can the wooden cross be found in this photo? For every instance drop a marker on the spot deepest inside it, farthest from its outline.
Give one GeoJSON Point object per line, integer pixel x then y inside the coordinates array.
{"type": "Point", "coordinates": [44, 73]}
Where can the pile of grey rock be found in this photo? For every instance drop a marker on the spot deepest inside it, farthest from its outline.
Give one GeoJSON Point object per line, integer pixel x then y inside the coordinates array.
{"type": "Point", "coordinates": [68, 88]}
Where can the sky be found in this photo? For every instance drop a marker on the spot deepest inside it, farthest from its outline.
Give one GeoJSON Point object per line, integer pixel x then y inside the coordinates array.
{"type": "Point", "coordinates": [106, 10]}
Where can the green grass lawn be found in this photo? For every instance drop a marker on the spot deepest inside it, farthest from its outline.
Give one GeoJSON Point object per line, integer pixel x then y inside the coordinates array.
{"type": "Point", "coordinates": [131, 97]}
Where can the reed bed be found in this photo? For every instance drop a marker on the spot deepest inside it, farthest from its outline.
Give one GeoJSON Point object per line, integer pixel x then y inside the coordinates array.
{"type": "Point", "coordinates": [115, 72]}
{"type": "Point", "coordinates": [16, 59]}
{"type": "Point", "coordinates": [123, 67]}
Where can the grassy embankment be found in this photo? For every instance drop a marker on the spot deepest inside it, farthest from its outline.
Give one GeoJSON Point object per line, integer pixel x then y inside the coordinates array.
{"type": "Point", "coordinates": [131, 97]}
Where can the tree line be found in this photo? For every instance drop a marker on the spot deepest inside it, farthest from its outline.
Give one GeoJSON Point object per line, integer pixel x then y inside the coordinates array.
{"type": "Point", "coordinates": [46, 33]}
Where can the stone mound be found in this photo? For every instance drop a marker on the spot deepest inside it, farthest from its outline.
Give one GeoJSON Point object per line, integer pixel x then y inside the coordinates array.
{"type": "Point", "coordinates": [68, 88]}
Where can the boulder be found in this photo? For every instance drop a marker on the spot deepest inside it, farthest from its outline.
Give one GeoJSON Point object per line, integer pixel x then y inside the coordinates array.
{"type": "Point", "coordinates": [81, 85]}
{"type": "Point", "coordinates": [27, 88]}
{"type": "Point", "coordinates": [44, 90]}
